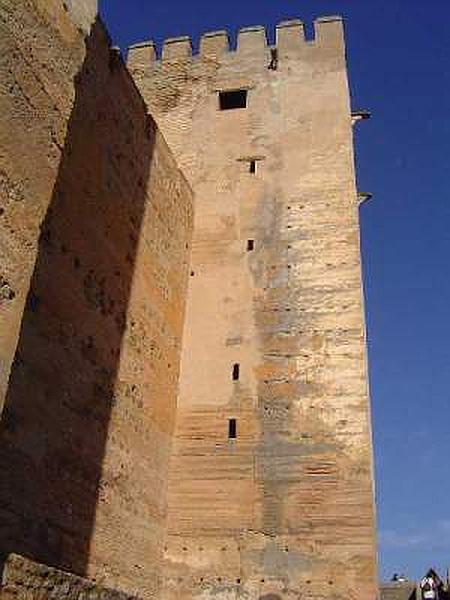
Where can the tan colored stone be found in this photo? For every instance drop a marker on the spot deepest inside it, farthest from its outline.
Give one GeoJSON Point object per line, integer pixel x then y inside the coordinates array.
{"type": "Point", "coordinates": [286, 508]}
{"type": "Point", "coordinates": [96, 348]}
{"type": "Point", "coordinates": [95, 232]}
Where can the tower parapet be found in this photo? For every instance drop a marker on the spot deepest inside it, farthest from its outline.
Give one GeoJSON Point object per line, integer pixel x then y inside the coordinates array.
{"type": "Point", "coordinates": [251, 42]}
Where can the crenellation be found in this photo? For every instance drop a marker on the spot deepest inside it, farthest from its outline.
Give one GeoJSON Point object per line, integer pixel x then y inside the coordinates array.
{"type": "Point", "coordinates": [252, 40]}
{"type": "Point", "coordinates": [141, 56]}
{"type": "Point", "coordinates": [177, 48]}
{"type": "Point", "coordinates": [252, 44]}
{"type": "Point", "coordinates": [214, 44]}
{"type": "Point", "coordinates": [329, 32]}
{"type": "Point", "coordinates": [290, 36]}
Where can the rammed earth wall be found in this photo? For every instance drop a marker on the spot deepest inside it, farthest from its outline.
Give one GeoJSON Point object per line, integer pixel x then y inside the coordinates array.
{"type": "Point", "coordinates": [285, 509]}
{"type": "Point", "coordinates": [95, 229]}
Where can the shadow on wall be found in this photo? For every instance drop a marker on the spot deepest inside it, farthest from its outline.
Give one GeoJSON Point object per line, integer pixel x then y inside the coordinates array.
{"type": "Point", "coordinates": [61, 391]}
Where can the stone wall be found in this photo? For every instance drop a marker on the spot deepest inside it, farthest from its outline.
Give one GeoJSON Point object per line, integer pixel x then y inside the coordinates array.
{"type": "Point", "coordinates": [23, 578]}
{"type": "Point", "coordinates": [95, 222]}
{"type": "Point", "coordinates": [37, 69]}
{"type": "Point", "coordinates": [285, 509]}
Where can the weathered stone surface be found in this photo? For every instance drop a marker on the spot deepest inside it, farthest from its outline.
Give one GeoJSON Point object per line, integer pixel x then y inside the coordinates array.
{"type": "Point", "coordinates": [95, 230]}
{"type": "Point", "coordinates": [37, 69]}
{"type": "Point", "coordinates": [286, 510]}
{"type": "Point", "coordinates": [83, 12]}
{"type": "Point", "coordinates": [96, 222]}
{"type": "Point", "coordinates": [24, 579]}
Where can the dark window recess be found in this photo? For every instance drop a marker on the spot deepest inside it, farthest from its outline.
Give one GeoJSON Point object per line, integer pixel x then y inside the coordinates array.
{"type": "Point", "coordinates": [232, 429]}
{"type": "Point", "coordinates": [250, 245]}
{"type": "Point", "coordinates": [236, 372]}
{"type": "Point", "coordinates": [252, 166]}
{"type": "Point", "coordinates": [234, 99]}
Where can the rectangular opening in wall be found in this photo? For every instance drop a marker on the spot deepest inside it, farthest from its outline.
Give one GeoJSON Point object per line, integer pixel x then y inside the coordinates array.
{"type": "Point", "coordinates": [252, 167]}
{"type": "Point", "coordinates": [232, 431]}
{"type": "Point", "coordinates": [250, 245]}
{"type": "Point", "coordinates": [236, 369]}
{"type": "Point", "coordinates": [233, 99]}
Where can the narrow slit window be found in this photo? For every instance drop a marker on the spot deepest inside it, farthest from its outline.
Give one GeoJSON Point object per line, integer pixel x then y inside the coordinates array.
{"type": "Point", "coordinates": [252, 167]}
{"type": "Point", "coordinates": [236, 369]}
{"type": "Point", "coordinates": [233, 99]}
{"type": "Point", "coordinates": [232, 430]}
{"type": "Point", "coordinates": [250, 245]}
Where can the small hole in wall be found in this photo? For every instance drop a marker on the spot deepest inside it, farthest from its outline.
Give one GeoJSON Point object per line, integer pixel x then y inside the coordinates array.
{"type": "Point", "coordinates": [250, 245]}
{"type": "Point", "coordinates": [192, 273]}
{"type": "Point", "coordinates": [252, 167]}
{"type": "Point", "coordinates": [232, 434]}
{"type": "Point", "coordinates": [236, 371]}
{"type": "Point", "coordinates": [238, 580]}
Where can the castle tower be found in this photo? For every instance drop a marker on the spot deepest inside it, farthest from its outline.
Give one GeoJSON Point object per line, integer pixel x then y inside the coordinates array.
{"type": "Point", "coordinates": [271, 486]}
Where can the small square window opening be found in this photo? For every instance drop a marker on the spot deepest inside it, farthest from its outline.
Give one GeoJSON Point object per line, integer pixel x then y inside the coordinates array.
{"type": "Point", "coordinates": [250, 245]}
{"type": "Point", "coordinates": [233, 99]}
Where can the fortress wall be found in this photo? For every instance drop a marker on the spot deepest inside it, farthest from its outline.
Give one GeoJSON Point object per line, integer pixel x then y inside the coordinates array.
{"type": "Point", "coordinates": [24, 578]}
{"type": "Point", "coordinates": [287, 508]}
{"type": "Point", "coordinates": [37, 69]}
{"type": "Point", "coordinates": [95, 221]}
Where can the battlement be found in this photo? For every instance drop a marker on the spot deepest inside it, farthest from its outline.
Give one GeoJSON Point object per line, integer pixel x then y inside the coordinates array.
{"type": "Point", "coordinates": [290, 39]}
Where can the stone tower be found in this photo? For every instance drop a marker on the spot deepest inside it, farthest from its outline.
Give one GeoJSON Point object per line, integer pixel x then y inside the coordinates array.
{"type": "Point", "coordinates": [271, 484]}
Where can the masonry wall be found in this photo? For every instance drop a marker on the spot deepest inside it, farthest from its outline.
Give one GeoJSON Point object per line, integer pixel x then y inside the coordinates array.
{"type": "Point", "coordinates": [35, 103]}
{"type": "Point", "coordinates": [96, 222]}
{"type": "Point", "coordinates": [23, 578]}
{"type": "Point", "coordinates": [286, 509]}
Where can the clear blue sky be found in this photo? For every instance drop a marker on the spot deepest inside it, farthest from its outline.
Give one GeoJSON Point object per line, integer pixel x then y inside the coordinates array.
{"type": "Point", "coordinates": [399, 62]}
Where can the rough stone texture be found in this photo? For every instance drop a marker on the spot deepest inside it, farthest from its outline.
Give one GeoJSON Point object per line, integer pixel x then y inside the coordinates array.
{"type": "Point", "coordinates": [37, 69]}
{"type": "Point", "coordinates": [24, 579]}
{"type": "Point", "coordinates": [95, 211]}
{"type": "Point", "coordinates": [83, 12]}
{"type": "Point", "coordinates": [286, 510]}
